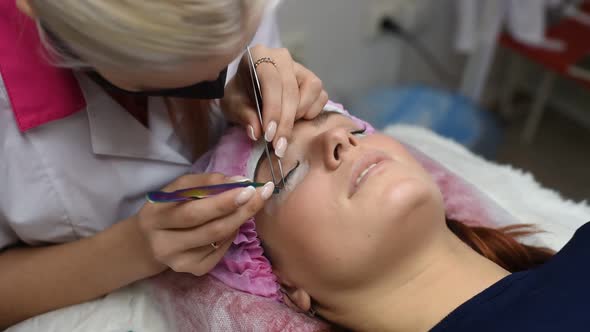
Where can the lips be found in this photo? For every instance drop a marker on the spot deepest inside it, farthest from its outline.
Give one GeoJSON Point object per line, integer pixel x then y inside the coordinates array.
{"type": "Point", "coordinates": [363, 167]}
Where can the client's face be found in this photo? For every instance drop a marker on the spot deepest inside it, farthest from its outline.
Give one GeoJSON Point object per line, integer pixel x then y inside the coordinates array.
{"type": "Point", "coordinates": [354, 208]}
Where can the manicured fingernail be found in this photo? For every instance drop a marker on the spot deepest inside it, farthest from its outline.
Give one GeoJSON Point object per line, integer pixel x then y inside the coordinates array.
{"type": "Point", "coordinates": [281, 147]}
{"type": "Point", "coordinates": [244, 196]}
{"type": "Point", "coordinates": [267, 190]}
{"type": "Point", "coordinates": [251, 133]}
{"type": "Point", "coordinates": [238, 178]}
{"type": "Point", "coordinates": [271, 130]}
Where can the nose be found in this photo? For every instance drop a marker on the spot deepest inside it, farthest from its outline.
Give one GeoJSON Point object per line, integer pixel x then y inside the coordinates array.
{"type": "Point", "coordinates": [336, 143]}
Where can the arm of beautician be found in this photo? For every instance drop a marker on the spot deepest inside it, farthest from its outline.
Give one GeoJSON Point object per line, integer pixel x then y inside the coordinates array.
{"type": "Point", "coordinates": [189, 237]}
{"type": "Point", "coordinates": [38, 280]}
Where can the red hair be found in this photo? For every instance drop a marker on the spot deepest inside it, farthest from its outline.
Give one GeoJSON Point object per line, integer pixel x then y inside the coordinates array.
{"type": "Point", "coordinates": [501, 245]}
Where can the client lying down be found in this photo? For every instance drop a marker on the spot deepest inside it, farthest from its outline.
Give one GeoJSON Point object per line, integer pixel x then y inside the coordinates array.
{"type": "Point", "coordinates": [359, 237]}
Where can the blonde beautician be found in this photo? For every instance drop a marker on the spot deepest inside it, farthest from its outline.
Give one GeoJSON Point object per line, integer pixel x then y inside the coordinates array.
{"type": "Point", "coordinates": [104, 100]}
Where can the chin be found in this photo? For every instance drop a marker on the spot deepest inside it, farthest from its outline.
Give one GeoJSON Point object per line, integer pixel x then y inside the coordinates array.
{"type": "Point", "coordinates": [407, 195]}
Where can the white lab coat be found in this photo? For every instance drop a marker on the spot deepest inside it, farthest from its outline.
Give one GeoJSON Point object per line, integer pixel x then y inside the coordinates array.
{"type": "Point", "coordinates": [74, 177]}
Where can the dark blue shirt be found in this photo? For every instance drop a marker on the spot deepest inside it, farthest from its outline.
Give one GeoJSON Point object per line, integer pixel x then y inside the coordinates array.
{"type": "Point", "coordinates": [552, 297]}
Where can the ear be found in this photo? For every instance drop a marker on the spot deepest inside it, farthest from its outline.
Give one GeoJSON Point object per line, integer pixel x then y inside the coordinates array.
{"type": "Point", "coordinates": [25, 7]}
{"type": "Point", "coordinates": [296, 298]}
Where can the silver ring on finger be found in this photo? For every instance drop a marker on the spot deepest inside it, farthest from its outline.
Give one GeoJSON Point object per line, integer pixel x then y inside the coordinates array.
{"type": "Point", "coordinates": [215, 245]}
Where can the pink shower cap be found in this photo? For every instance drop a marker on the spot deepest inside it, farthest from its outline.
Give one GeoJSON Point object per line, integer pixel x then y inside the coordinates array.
{"type": "Point", "coordinates": [244, 266]}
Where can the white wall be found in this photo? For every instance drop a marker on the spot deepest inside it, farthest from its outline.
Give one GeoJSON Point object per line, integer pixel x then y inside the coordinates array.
{"type": "Point", "coordinates": [335, 47]}
{"type": "Point", "coordinates": [436, 30]}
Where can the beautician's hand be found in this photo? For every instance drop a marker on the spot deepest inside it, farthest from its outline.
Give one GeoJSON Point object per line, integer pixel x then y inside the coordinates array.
{"type": "Point", "coordinates": [289, 92]}
{"type": "Point", "coordinates": [193, 236]}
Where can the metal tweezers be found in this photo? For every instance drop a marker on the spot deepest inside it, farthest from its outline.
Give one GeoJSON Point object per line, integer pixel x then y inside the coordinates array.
{"type": "Point", "coordinates": [258, 102]}
{"type": "Point", "coordinates": [188, 194]}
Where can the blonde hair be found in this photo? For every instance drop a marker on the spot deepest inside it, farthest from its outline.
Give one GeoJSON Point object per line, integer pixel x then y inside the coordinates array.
{"type": "Point", "coordinates": [154, 34]}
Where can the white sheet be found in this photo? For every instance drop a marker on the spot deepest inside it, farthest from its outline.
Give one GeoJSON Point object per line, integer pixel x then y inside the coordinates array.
{"type": "Point", "coordinates": [132, 308]}
{"type": "Point", "coordinates": [129, 309]}
{"type": "Point", "coordinates": [513, 189]}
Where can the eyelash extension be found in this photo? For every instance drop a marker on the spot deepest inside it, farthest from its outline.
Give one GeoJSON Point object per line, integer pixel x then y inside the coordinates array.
{"type": "Point", "coordinates": [286, 179]}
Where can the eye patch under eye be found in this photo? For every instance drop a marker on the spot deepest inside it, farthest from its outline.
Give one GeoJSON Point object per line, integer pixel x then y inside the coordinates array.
{"type": "Point", "coordinates": [291, 172]}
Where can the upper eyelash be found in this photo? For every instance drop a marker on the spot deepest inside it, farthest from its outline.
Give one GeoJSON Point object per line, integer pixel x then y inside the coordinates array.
{"type": "Point", "coordinates": [359, 131]}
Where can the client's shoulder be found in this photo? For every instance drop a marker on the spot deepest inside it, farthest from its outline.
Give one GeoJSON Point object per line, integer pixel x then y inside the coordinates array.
{"type": "Point", "coordinates": [585, 229]}
{"type": "Point", "coordinates": [576, 252]}
{"type": "Point", "coordinates": [581, 237]}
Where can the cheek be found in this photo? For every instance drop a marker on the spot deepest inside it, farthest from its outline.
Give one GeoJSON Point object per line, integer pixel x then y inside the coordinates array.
{"type": "Point", "coordinates": [308, 215]}
{"type": "Point", "coordinates": [391, 146]}
{"type": "Point", "coordinates": [418, 184]}
{"type": "Point", "coordinates": [413, 211]}
{"type": "Point", "coordinates": [397, 194]}
{"type": "Point", "coordinates": [310, 231]}
{"type": "Point", "coordinates": [397, 216]}
{"type": "Point", "coordinates": [324, 243]}
{"type": "Point", "coordinates": [404, 198]}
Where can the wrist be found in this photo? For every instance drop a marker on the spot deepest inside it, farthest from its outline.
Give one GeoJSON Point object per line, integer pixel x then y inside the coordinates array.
{"type": "Point", "coordinates": [134, 251]}
{"type": "Point", "coordinates": [142, 250]}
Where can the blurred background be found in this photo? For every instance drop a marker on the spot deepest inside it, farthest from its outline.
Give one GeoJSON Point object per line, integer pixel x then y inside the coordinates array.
{"type": "Point", "coordinates": [508, 79]}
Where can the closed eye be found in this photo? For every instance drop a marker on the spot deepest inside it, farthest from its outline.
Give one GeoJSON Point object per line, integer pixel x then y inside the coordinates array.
{"type": "Point", "coordinates": [360, 132]}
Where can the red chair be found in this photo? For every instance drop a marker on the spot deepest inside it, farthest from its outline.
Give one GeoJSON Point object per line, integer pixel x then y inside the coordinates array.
{"type": "Point", "coordinates": [576, 37]}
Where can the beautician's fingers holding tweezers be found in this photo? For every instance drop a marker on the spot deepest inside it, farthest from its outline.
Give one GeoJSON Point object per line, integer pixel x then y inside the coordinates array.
{"type": "Point", "coordinates": [289, 92]}
{"type": "Point", "coordinates": [223, 218]}
{"type": "Point", "coordinates": [280, 95]}
{"type": "Point", "coordinates": [178, 233]}
{"type": "Point", "coordinates": [198, 249]}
